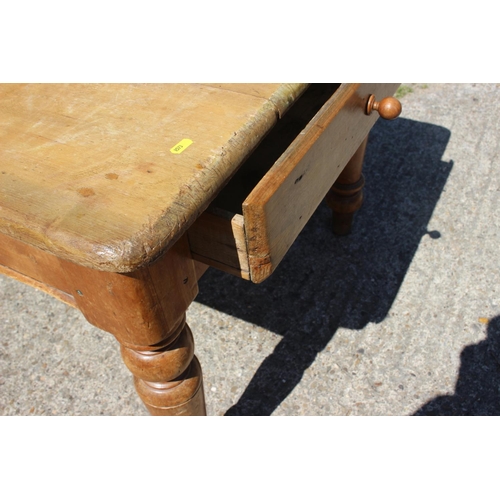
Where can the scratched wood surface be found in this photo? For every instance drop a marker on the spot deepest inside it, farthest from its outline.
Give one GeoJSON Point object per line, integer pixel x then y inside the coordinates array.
{"type": "Point", "coordinates": [278, 208]}
{"type": "Point", "coordinates": [280, 185]}
{"type": "Point", "coordinates": [87, 172]}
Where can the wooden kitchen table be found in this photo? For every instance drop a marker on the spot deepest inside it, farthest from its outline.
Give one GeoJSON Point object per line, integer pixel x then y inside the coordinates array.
{"type": "Point", "coordinates": [116, 198]}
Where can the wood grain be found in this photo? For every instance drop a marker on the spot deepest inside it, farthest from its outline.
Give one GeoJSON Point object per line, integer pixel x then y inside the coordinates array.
{"type": "Point", "coordinates": [141, 307]}
{"type": "Point", "coordinates": [34, 267]}
{"type": "Point", "coordinates": [54, 292]}
{"type": "Point", "coordinates": [278, 208]}
{"type": "Point", "coordinates": [87, 172]}
{"type": "Point", "coordinates": [218, 239]}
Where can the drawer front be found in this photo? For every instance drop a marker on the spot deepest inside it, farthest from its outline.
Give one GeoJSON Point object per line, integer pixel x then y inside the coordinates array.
{"type": "Point", "coordinates": [283, 201]}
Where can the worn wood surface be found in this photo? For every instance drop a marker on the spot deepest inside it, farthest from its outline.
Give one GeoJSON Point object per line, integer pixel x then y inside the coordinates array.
{"type": "Point", "coordinates": [95, 203]}
{"type": "Point", "coordinates": [87, 171]}
{"type": "Point", "coordinates": [144, 310]}
{"type": "Point", "coordinates": [302, 147]}
{"type": "Point", "coordinates": [278, 208]}
{"type": "Point", "coordinates": [138, 308]}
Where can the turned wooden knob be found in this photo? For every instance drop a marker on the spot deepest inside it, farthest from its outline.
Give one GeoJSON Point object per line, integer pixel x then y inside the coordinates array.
{"type": "Point", "coordinates": [388, 108]}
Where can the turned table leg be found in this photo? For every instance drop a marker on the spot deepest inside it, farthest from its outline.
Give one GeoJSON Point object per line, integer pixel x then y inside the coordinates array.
{"type": "Point", "coordinates": [346, 195]}
{"type": "Point", "coordinates": [145, 311]}
{"type": "Point", "coordinates": [168, 379]}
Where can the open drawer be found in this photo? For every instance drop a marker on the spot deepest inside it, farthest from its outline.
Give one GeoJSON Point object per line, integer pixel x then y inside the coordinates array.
{"type": "Point", "coordinates": [250, 226]}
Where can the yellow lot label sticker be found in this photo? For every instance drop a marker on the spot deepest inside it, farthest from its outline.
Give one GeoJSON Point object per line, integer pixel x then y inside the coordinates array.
{"type": "Point", "coordinates": [181, 146]}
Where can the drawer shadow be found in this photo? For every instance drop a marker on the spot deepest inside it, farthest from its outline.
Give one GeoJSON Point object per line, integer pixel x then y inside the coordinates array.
{"type": "Point", "coordinates": [326, 282]}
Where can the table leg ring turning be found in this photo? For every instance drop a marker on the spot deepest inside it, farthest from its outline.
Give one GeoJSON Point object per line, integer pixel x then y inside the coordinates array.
{"type": "Point", "coordinates": [345, 200]}
{"type": "Point", "coordinates": [169, 379]}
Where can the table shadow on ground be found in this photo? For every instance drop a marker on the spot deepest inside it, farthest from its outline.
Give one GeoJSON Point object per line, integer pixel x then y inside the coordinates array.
{"type": "Point", "coordinates": [477, 391]}
{"type": "Point", "coordinates": [326, 282]}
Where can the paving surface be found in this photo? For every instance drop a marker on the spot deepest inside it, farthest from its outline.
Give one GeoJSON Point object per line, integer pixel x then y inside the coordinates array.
{"type": "Point", "coordinates": [402, 317]}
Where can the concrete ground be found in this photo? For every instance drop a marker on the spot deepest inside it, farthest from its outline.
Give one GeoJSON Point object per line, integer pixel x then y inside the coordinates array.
{"type": "Point", "coordinates": [402, 317]}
